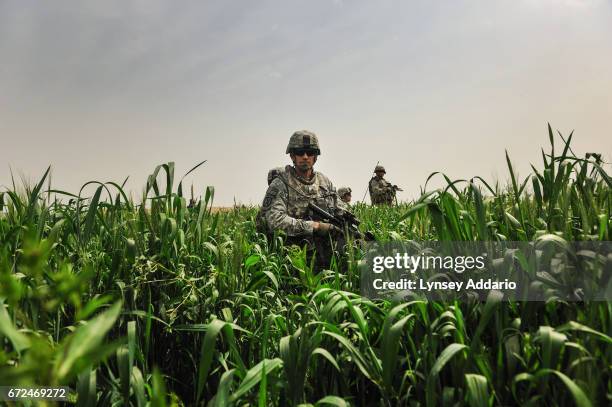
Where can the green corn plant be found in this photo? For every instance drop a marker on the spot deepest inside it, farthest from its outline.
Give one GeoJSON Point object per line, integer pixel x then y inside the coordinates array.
{"type": "Point", "coordinates": [157, 302]}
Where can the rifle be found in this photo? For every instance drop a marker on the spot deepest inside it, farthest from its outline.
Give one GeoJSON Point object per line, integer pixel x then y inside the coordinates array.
{"type": "Point", "coordinates": [395, 189]}
{"type": "Point", "coordinates": [344, 218]}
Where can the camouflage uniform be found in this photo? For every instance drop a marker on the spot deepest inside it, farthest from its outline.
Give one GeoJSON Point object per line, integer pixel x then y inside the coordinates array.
{"type": "Point", "coordinates": [260, 222]}
{"type": "Point", "coordinates": [341, 192]}
{"type": "Point", "coordinates": [382, 192]}
{"type": "Point", "coordinates": [285, 205]}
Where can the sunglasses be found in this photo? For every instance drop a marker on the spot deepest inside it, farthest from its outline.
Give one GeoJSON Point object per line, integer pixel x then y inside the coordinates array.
{"type": "Point", "coordinates": [301, 151]}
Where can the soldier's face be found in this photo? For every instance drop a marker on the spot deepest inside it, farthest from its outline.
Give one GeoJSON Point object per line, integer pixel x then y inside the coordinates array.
{"type": "Point", "coordinates": [380, 174]}
{"type": "Point", "coordinates": [346, 198]}
{"type": "Point", "coordinates": [304, 162]}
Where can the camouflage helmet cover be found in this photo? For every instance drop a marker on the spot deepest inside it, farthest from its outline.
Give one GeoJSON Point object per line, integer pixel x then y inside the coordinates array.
{"type": "Point", "coordinates": [343, 191]}
{"type": "Point", "coordinates": [379, 168]}
{"type": "Point", "coordinates": [303, 139]}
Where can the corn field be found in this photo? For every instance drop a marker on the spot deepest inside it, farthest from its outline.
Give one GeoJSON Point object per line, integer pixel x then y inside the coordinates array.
{"type": "Point", "coordinates": [151, 302]}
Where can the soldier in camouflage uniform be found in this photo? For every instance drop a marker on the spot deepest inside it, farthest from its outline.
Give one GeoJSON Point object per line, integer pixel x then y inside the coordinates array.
{"type": "Point", "coordinates": [382, 192]}
{"type": "Point", "coordinates": [344, 194]}
{"type": "Point", "coordinates": [285, 205]}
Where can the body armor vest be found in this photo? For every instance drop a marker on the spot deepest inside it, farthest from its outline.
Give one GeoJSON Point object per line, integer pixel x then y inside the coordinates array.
{"type": "Point", "coordinates": [300, 191]}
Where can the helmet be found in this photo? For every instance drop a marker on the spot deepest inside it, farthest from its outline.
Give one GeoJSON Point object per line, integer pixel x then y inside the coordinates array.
{"type": "Point", "coordinates": [343, 191]}
{"type": "Point", "coordinates": [303, 139]}
{"type": "Point", "coordinates": [380, 168]}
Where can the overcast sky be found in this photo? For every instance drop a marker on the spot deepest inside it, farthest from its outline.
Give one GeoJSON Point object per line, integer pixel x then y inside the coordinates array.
{"type": "Point", "coordinates": [103, 90]}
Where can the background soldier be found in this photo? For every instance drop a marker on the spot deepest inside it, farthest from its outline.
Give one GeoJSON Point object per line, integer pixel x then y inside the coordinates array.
{"type": "Point", "coordinates": [285, 205]}
{"type": "Point", "coordinates": [382, 192]}
{"type": "Point", "coordinates": [344, 194]}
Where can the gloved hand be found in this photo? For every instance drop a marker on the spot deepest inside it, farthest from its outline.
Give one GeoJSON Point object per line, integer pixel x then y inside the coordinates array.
{"type": "Point", "coordinates": [326, 228]}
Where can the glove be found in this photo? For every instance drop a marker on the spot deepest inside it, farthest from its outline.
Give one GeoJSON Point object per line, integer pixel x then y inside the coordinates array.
{"type": "Point", "coordinates": [326, 228]}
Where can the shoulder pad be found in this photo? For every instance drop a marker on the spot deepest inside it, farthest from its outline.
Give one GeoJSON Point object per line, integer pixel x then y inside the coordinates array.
{"type": "Point", "coordinates": [322, 178]}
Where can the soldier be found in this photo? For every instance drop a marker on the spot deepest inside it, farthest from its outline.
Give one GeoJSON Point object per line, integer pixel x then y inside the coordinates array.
{"type": "Point", "coordinates": [285, 205]}
{"type": "Point", "coordinates": [382, 192]}
{"type": "Point", "coordinates": [344, 194]}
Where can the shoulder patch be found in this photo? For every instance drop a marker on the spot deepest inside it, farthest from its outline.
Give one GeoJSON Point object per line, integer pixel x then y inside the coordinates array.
{"type": "Point", "coordinates": [278, 189]}
{"type": "Point", "coordinates": [269, 198]}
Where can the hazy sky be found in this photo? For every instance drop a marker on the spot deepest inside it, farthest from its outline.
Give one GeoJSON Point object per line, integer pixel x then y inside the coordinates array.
{"type": "Point", "coordinates": [102, 90]}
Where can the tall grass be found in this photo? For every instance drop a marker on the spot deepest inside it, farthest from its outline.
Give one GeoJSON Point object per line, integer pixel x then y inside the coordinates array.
{"type": "Point", "coordinates": [156, 302]}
